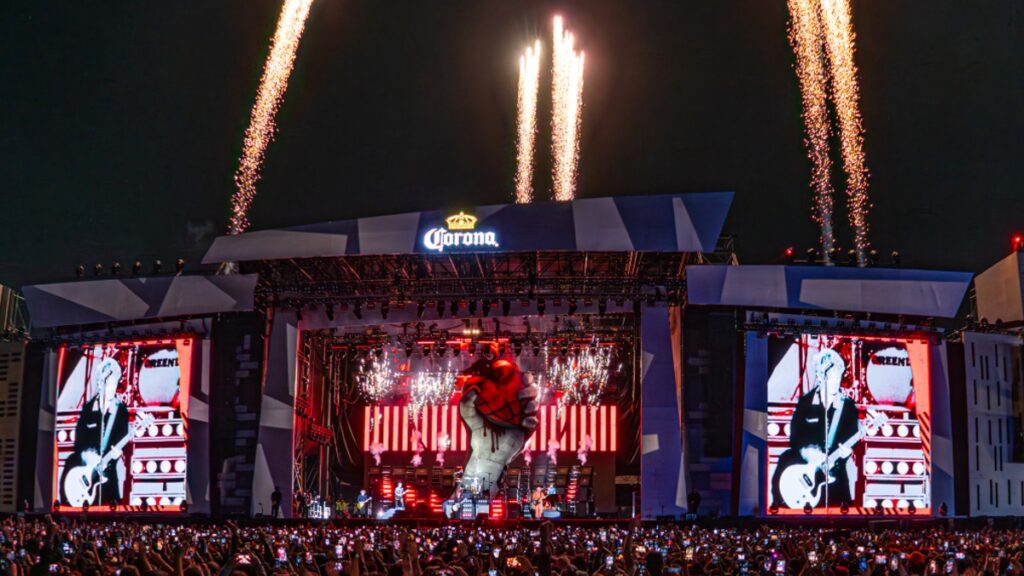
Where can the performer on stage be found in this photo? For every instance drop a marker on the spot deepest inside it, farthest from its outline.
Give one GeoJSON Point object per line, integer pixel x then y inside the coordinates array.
{"type": "Point", "coordinates": [824, 418]}
{"type": "Point", "coordinates": [400, 497]}
{"type": "Point", "coordinates": [102, 425]}
{"type": "Point", "coordinates": [537, 502]}
{"type": "Point", "coordinates": [363, 504]}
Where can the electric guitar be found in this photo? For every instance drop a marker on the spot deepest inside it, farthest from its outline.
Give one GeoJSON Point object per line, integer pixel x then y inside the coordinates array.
{"type": "Point", "coordinates": [82, 482]}
{"type": "Point", "coordinates": [361, 505]}
{"type": "Point", "coordinates": [802, 483]}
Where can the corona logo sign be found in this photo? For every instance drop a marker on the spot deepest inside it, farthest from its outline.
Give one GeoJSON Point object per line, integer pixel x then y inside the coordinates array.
{"type": "Point", "coordinates": [461, 233]}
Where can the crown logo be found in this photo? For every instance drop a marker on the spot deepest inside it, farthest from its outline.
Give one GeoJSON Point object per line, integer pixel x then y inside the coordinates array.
{"type": "Point", "coordinates": [461, 221]}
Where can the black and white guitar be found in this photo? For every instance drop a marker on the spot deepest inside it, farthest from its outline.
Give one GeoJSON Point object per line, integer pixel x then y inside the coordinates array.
{"type": "Point", "coordinates": [801, 483]}
{"type": "Point", "coordinates": [82, 483]}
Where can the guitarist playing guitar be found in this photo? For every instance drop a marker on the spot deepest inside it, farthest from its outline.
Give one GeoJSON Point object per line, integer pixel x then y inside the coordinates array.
{"type": "Point", "coordinates": [100, 434]}
{"type": "Point", "coordinates": [822, 434]}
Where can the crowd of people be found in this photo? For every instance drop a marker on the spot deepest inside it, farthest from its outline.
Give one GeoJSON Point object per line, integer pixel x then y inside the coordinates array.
{"type": "Point", "coordinates": [72, 546]}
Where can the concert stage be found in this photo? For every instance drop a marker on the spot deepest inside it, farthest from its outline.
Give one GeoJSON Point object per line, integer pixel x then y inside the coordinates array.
{"type": "Point", "coordinates": [649, 370]}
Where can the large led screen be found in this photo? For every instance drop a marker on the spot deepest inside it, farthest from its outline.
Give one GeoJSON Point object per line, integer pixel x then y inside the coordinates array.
{"type": "Point", "coordinates": [848, 425]}
{"type": "Point", "coordinates": [121, 428]}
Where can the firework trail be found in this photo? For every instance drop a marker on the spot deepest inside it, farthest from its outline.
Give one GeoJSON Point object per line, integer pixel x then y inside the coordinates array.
{"type": "Point", "coordinates": [839, 44]}
{"type": "Point", "coordinates": [261, 123]}
{"type": "Point", "coordinates": [805, 37]}
{"type": "Point", "coordinates": [526, 134]}
{"type": "Point", "coordinates": [566, 113]}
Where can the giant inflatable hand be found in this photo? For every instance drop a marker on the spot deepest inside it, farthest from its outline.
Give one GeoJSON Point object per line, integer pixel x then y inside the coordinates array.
{"type": "Point", "coordinates": [499, 407]}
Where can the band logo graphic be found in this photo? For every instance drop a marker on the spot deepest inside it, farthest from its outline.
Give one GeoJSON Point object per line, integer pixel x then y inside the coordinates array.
{"type": "Point", "coordinates": [461, 233]}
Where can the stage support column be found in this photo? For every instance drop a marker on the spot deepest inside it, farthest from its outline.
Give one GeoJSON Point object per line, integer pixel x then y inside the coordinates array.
{"type": "Point", "coordinates": [45, 492]}
{"type": "Point", "coordinates": [274, 441]}
{"type": "Point", "coordinates": [662, 471]}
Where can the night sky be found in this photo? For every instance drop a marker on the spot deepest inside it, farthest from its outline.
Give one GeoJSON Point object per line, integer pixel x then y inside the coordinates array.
{"type": "Point", "coordinates": [121, 122]}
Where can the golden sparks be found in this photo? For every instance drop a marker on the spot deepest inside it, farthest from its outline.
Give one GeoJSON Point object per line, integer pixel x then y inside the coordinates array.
{"type": "Point", "coordinates": [526, 132]}
{"type": "Point", "coordinates": [839, 44]}
{"type": "Point", "coordinates": [566, 114]}
{"type": "Point", "coordinates": [261, 122]}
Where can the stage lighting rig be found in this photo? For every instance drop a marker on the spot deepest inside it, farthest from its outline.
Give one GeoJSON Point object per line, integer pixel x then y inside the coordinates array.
{"type": "Point", "coordinates": [136, 268]}
{"type": "Point", "coordinates": [895, 258]}
{"type": "Point", "coordinates": [115, 268]}
{"type": "Point", "coordinates": [1018, 242]}
{"type": "Point", "coordinates": [873, 257]}
{"type": "Point", "coordinates": [179, 265]}
{"type": "Point", "coordinates": [80, 271]}
{"type": "Point", "coordinates": [157, 265]}
{"type": "Point", "coordinates": [97, 270]}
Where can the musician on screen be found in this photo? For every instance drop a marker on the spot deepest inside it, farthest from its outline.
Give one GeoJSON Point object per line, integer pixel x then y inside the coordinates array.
{"type": "Point", "coordinates": [100, 434]}
{"type": "Point", "coordinates": [823, 430]}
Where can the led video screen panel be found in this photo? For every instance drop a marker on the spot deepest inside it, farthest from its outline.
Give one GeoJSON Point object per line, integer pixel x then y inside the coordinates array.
{"type": "Point", "coordinates": [848, 425]}
{"type": "Point", "coordinates": [121, 437]}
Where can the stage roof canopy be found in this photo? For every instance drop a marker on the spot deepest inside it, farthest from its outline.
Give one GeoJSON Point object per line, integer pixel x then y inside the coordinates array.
{"type": "Point", "coordinates": [664, 223]}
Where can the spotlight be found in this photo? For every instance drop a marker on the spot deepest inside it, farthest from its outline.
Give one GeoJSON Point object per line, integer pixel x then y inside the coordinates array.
{"type": "Point", "coordinates": [833, 253]}
{"type": "Point", "coordinates": [420, 307]}
{"type": "Point", "coordinates": [179, 265]}
{"type": "Point", "coordinates": [329, 311]}
{"type": "Point", "coordinates": [541, 305]}
{"type": "Point", "coordinates": [1018, 242]}
{"type": "Point", "coordinates": [115, 268]}
{"type": "Point", "coordinates": [895, 257]}
{"type": "Point", "coordinates": [851, 257]}
{"type": "Point", "coordinates": [812, 255]}
{"type": "Point", "coordinates": [97, 270]}
{"type": "Point", "coordinates": [357, 310]}
{"type": "Point", "coordinates": [80, 271]}
{"type": "Point", "coordinates": [157, 264]}
{"type": "Point", "coordinates": [385, 308]}
{"type": "Point", "coordinates": [506, 306]}
{"type": "Point", "coordinates": [788, 253]}
{"type": "Point", "coordinates": [873, 257]}
{"type": "Point", "coordinates": [136, 268]}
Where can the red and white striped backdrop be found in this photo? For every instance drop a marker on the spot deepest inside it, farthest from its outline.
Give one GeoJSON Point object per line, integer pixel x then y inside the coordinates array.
{"type": "Point", "coordinates": [391, 426]}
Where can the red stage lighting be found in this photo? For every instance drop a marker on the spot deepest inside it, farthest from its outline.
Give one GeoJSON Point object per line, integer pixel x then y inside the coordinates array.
{"type": "Point", "coordinates": [1018, 242]}
{"type": "Point", "coordinates": [789, 252]}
